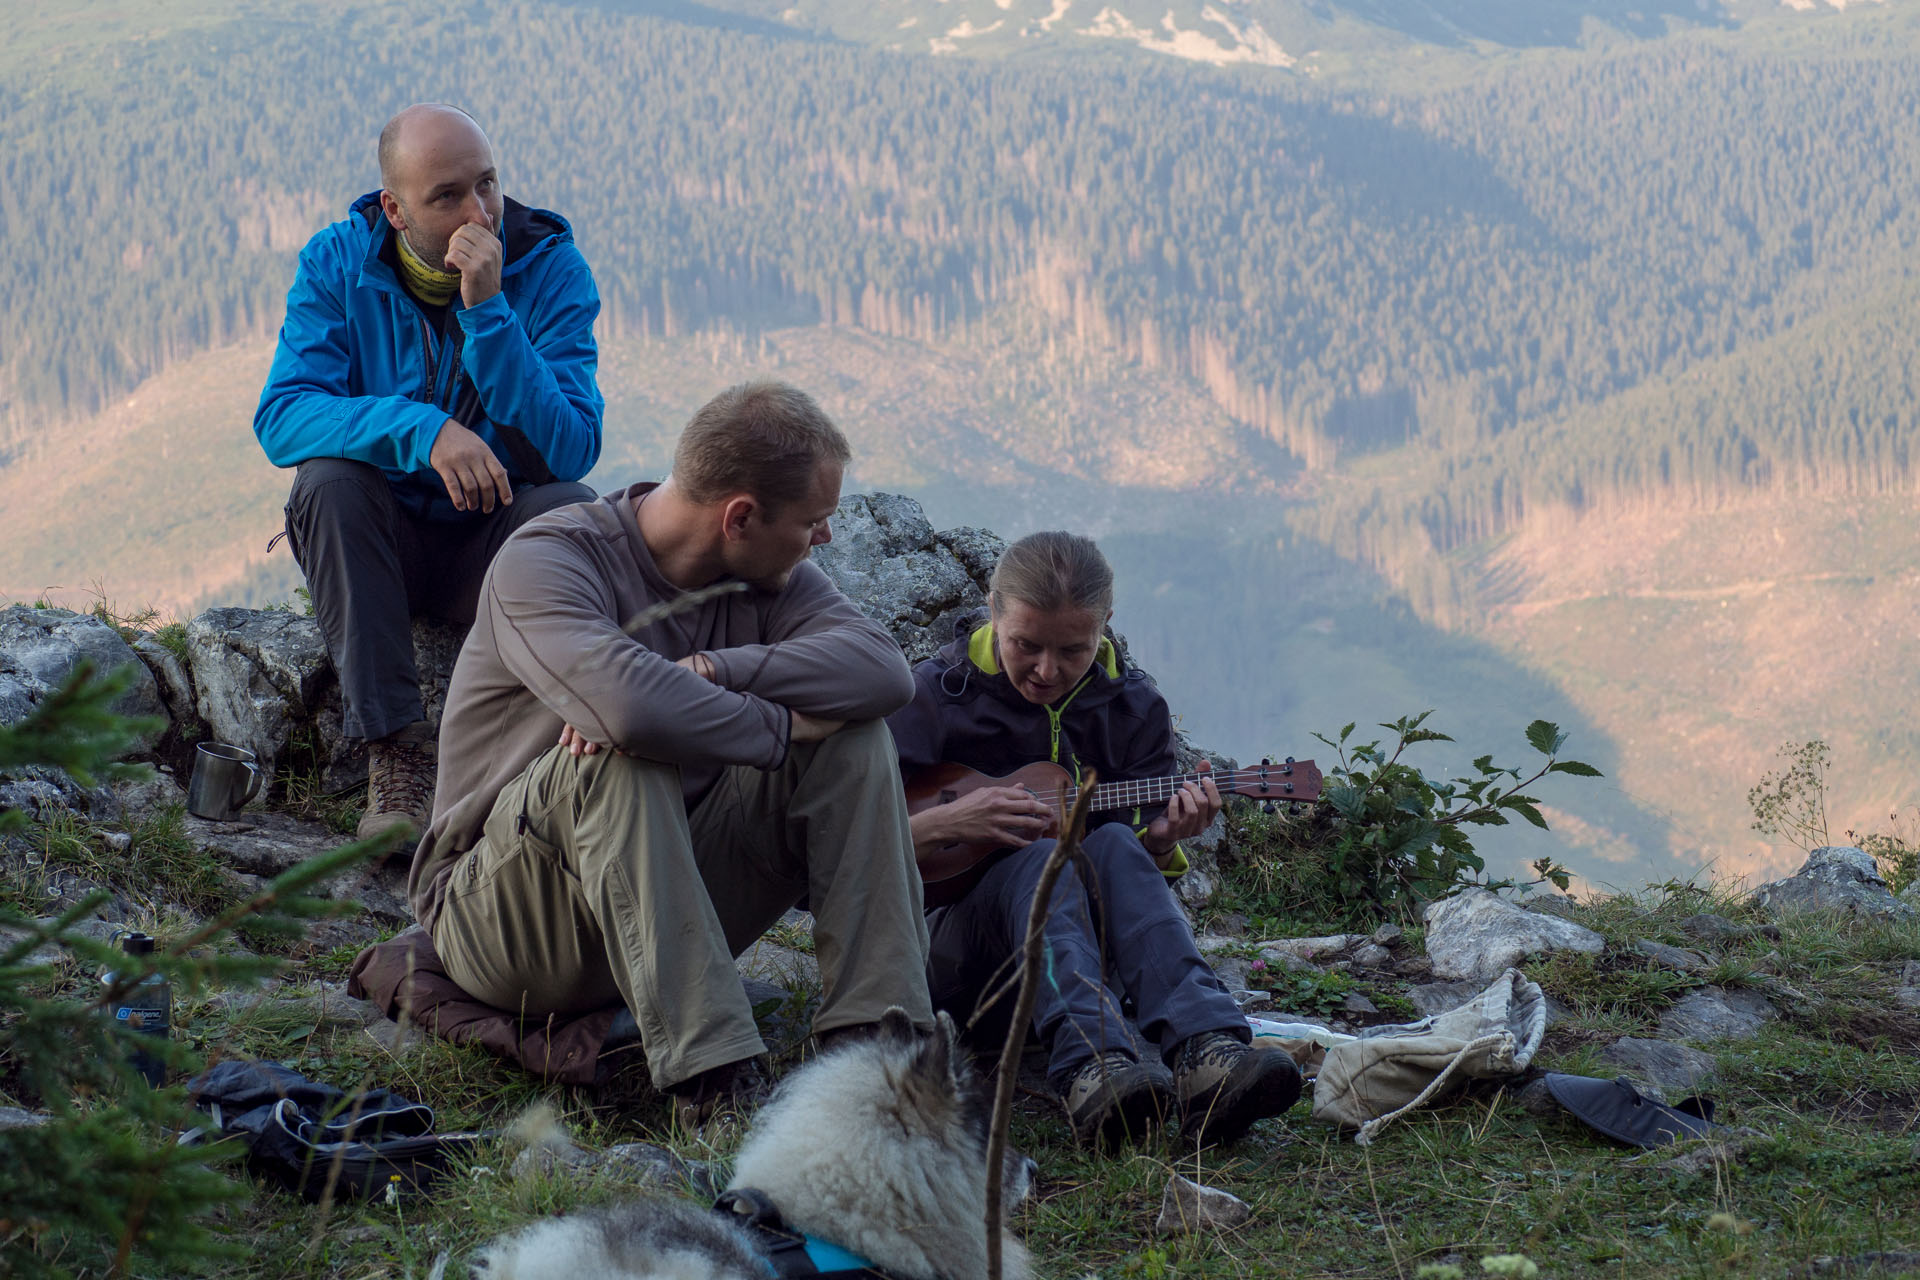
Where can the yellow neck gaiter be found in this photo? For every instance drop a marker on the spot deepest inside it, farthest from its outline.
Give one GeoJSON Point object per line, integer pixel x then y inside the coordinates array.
{"type": "Point", "coordinates": [432, 286]}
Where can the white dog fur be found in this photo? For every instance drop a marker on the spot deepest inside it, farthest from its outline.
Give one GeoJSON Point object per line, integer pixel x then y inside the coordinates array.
{"type": "Point", "coordinates": [878, 1146]}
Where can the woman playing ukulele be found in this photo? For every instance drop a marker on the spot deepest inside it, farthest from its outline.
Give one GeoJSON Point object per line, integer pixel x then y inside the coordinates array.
{"type": "Point", "coordinates": [1038, 681]}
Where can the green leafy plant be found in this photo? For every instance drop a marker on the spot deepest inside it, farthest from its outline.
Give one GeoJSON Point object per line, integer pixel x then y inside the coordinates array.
{"type": "Point", "coordinates": [1401, 836]}
{"type": "Point", "coordinates": [1792, 802]}
{"type": "Point", "coordinates": [1315, 994]}
{"type": "Point", "coordinates": [1896, 849]}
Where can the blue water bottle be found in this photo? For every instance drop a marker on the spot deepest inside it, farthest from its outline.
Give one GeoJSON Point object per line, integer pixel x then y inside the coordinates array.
{"type": "Point", "coordinates": [146, 1008]}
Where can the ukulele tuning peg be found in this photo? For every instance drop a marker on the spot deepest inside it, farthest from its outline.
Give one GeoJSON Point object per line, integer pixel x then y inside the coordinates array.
{"type": "Point", "coordinates": [1267, 806]}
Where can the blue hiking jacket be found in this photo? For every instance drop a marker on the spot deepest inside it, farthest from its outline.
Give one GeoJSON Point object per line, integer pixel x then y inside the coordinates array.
{"type": "Point", "coordinates": [365, 372]}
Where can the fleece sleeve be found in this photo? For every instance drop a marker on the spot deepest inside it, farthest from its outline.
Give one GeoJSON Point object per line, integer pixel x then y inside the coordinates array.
{"type": "Point", "coordinates": [308, 409]}
{"type": "Point", "coordinates": [822, 657]}
{"type": "Point", "coordinates": [537, 375]}
{"type": "Point", "coordinates": [553, 626]}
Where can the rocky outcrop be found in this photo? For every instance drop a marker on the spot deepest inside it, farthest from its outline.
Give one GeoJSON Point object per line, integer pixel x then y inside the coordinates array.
{"type": "Point", "coordinates": [1835, 878]}
{"type": "Point", "coordinates": [1475, 936]}
{"type": "Point", "coordinates": [39, 651]}
{"type": "Point", "coordinates": [903, 575]}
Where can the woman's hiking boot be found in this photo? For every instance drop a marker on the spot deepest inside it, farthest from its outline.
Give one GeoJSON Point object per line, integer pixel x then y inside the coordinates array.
{"type": "Point", "coordinates": [1224, 1086]}
{"type": "Point", "coordinates": [1116, 1097]}
{"type": "Point", "coordinates": [400, 770]}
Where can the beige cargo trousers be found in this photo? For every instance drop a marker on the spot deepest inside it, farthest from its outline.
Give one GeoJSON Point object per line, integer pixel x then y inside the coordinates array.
{"type": "Point", "coordinates": [591, 884]}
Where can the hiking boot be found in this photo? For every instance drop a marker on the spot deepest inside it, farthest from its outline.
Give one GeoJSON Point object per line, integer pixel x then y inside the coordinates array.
{"type": "Point", "coordinates": [737, 1087]}
{"type": "Point", "coordinates": [400, 770]}
{"type": "Point", "coordinates": [1224, 1086]}
{"type": "Point", "coordinates": [1116, 1097]}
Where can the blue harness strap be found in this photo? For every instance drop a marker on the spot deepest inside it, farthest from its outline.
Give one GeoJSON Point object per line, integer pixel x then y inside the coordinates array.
{"type": "Point", "coordinates": [790, 1253]}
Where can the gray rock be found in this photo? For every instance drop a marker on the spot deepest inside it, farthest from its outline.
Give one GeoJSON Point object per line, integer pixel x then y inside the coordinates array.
{"type": "Point", "coordinates": [1672, 957]}
{"type": "Point", "coordinates": [38, 797]}
{"type": "Point", "coordinates": [886, 558]}
{"type": "Point", "coordinates": [1673, 1070]}
{"type": "Point", "coordinates": [262, 680]}
{"type": "Point", "coordinates": [1386, 935]}
{"type": "Point", "coordinates": [1358, 1004]}
{"type": "Point", "coordinates": [1234, 972]}
{"type": "Point", "coordinates": [1835, 878]}
{"type": "Point", "coordinates": [643, 1164]}
{"type": "Point", "coordinates": [269, 843]}
{"type": "Point", "coordinates": [1908, 996]}
{"type": "Point", "coordinates": [1477, 936]}
{"type": "Point", "coordinates": [1196, 888]}
{"type": "Point", "coordinates": [397, 1038]}
{"type": "Point", "coordinates": [130, 800]}
{"type": "Point", "coordinates": [553, 1153]}
{"type": "Point", "coordinates": [1370, 955]}
{"type": "Point", "coordinates": [1714, 1013]}
{"type": "Point", "coordinates": [1717, 929]}
{"type": "Point", "coordinates": [39, 648]}
{"type": "Point", "coordinates": [782, 966]}
{"type": "Point", "coordinates": [1188, 1207]}
{"type": "Point", "coordinates": [640, 1164]}
{"type": "Point", "coordinates": [1318, 949]}
{"type": "Point", "coordinates": [333, 1007]}
{"type": "Point", "coordinates": [170, 675]}
{"type": "Point", "coordinates": [259, 678]}
{"type": "Point", "coordinates": [15, 1118]}
{"type": "Point", "coordinates": [1537, 1100]}
{"type": "Point", "coordinates": [1700, 1155]}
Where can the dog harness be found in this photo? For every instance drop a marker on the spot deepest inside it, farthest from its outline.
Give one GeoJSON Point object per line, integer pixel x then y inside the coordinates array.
{"type": "Point", "coordinates": [788, 1252]}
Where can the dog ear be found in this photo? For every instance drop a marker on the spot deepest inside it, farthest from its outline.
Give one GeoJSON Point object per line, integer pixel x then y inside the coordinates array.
{"type": "Point", "coordinates": [947, 1029]}
{"type": "Point", "coordinates": [896, 1026]}
{"type": "Point", "coordinates": [934, 1061]}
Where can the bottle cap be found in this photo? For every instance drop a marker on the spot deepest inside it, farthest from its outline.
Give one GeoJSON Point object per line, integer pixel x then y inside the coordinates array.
{"type": "Point", "coordinates": [137, 944]}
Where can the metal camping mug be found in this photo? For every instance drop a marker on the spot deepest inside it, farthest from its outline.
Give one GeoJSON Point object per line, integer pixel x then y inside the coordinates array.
{"type": "Point", "coordinates": [224, 779]}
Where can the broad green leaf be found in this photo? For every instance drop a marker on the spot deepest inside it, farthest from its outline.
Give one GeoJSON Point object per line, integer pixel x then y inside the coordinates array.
{"type": "Point", "coordinates": [1524, 806]}
{"type": "Point", "coordinates": [1576, 768]}
{"type": "Point", "coordinates": [1545, 737]}
{"type": "Point", "coordinates": [1424, 735]}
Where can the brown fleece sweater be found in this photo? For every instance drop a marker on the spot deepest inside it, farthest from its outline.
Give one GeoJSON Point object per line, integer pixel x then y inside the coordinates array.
{"type": "Point", "coordinates": [547, 649]}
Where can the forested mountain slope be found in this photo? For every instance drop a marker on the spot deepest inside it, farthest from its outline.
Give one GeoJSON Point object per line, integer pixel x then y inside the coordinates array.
{"type": "Point", "coordinates": [1345, 272]}
{"type": "Point", "coordinates": [1344, 348]}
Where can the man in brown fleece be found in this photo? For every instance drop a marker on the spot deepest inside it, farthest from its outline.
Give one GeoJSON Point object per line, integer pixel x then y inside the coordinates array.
{"type": "Point", "coordinates": [620, 814]}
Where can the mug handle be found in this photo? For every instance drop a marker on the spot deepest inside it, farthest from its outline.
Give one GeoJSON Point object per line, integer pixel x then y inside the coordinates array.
{"type": "Point", "coordinates": [256, 777]}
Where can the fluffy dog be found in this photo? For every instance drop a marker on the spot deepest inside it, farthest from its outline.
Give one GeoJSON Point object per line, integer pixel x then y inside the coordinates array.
{"type": "Point", "coordinates": [878, 1146]}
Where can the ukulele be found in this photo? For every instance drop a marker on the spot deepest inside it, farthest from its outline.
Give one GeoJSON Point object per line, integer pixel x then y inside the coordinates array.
{"type": "Point", "coordinates": [949, 871]}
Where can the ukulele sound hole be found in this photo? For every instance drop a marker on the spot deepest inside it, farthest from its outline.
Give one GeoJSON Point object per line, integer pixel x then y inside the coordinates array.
{"type": "Point", "coordinates": [949, 796]}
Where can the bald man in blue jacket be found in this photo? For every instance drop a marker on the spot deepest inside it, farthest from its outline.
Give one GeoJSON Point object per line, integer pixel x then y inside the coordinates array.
{"type": "Point", "coordinates": [434, 386]}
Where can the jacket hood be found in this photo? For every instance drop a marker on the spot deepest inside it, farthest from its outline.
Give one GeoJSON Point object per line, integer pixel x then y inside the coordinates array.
{"type": "Point", "coordinates": [524, 230]}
